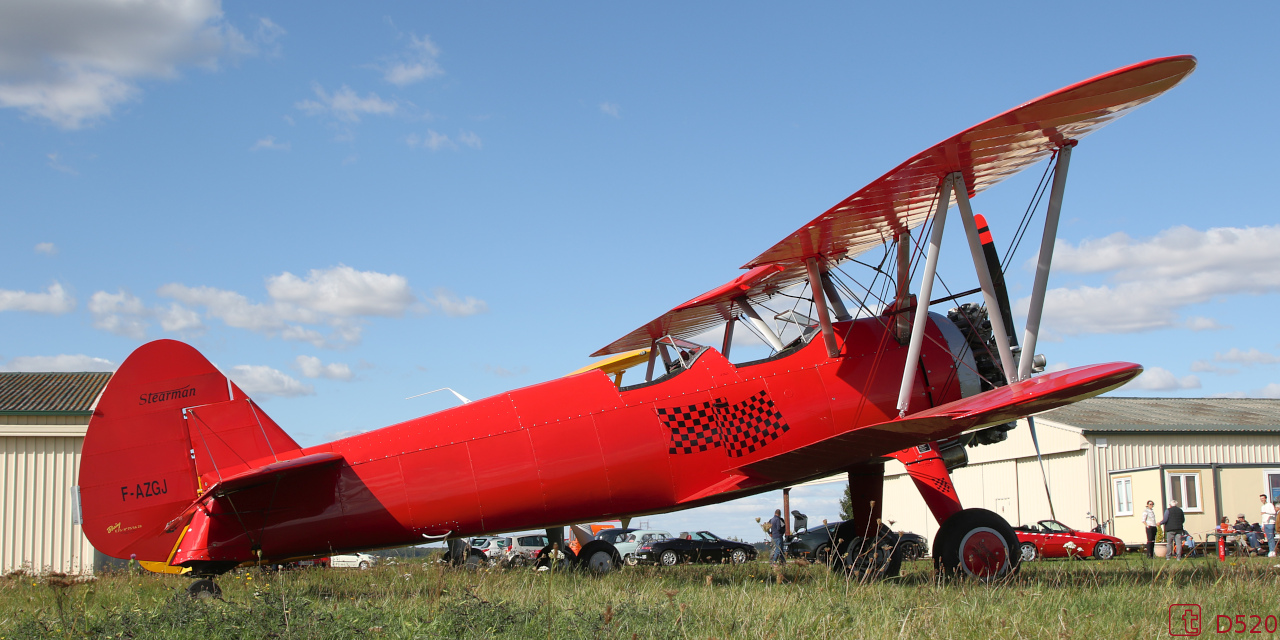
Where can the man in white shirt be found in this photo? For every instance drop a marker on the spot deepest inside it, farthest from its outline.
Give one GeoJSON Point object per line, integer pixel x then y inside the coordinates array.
{"type": "Point", "coordinates": [1268, 519]}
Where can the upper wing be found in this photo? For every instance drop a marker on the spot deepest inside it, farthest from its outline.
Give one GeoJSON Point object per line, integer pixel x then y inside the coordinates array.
{"type": "Point", "coordinates": [901, 199]}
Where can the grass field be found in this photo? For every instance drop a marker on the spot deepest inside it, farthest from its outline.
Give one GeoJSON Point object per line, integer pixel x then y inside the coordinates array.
{"type": "Point", "coordinates": [1124, 598]}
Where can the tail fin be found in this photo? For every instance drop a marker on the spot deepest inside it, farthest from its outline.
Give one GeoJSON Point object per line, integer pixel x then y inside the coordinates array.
{"type": "Point", "coordinates": [168, 424]}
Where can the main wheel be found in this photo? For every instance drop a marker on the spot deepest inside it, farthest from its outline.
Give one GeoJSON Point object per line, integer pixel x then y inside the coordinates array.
{"type": "Point", "coordinates": [977, 543]}
{"type": "Point", "coordinates": [204, 588]}
{"type": "Point", "coordinates": [599, 557]}
{"type": "Point", "coordinates": [1104, 550]}
{"type": "Point", "coordinates": [1027, 552]}
{"type": "Point", "coordinates": [738, 556]}
{"type": "Point", "coordinates": [669, 558]}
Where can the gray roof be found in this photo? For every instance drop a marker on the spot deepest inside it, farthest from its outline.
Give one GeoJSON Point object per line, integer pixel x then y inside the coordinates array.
{"type": "Point", "coordinates": [51, 393]}
{"type": "Point", "coordinates": [1170, 414]}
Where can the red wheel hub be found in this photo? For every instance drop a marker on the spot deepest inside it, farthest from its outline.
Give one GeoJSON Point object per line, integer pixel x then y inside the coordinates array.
{"type": "Point", "coordinates": [984, 553]}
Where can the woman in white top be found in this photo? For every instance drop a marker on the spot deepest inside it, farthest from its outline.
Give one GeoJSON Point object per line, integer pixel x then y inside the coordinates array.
{"type": "Point", "coordinates": [1149, 521]}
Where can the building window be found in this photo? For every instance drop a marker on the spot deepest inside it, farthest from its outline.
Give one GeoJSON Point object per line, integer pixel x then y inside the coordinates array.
{"type": "Point", "coordinates": [1185, 488]}
{"type": "Point", "coordinates": [1124, 496]}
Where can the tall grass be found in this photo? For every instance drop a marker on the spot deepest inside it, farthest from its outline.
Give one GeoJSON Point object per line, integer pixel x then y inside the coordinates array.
{"type": "Point", "coordinates": [1127, 597]}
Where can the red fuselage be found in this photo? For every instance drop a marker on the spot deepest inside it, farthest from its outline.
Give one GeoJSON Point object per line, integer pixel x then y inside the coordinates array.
{"type": "Point", "coordinates": [577, 449]}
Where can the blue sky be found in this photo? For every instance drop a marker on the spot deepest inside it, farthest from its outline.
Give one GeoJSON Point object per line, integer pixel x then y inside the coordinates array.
{"type": "Point", "coordinates": [346, 205]}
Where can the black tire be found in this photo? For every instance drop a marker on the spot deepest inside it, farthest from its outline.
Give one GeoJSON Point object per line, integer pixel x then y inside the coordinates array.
{"type": "Point", "coordinates": [631, 560]}
{"type": "Point", "coordinates": [555, 558]}
{"type": "Point", "coordinates": [1104, 550]}
{"type": "Point", "coordinates": [204, 588]}
{"type": "Point", "coordinates": [738, 556]}
{"type": "Point", "coordinates": [976, 543]}
{"type": "Point", "coordinates": [474, 560]}
{"type": "Point", "coordinates": [669, 558]}
{"type": "Point", "coordinates": [599, 557]}
{"type": "Point", "coordinates": [910, 551]}
{"type": "Point", "coordinates": [1027, 552]}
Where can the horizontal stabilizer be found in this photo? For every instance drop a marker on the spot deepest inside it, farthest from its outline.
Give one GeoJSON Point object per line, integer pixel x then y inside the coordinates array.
{"type": "Point", "coordinates": [253, 477]}
{"type": "Point", "coordinates": [1000, 405]}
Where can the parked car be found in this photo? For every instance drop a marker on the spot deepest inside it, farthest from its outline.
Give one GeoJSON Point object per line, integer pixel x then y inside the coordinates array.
{"type": "Point", "coordinates": [492, 548]}
{"type": "Point", "coordinates": [825, 543]}
{"type": "Point", "coordinates": [627, 543]}
{"type": "Point", "coordinates": [522, 549]}
{"type": "Point", "coordinates": [614, 536]}
{"type": "Point", "coordinates": [702, 546]}
{"type": "Point", "coordinates": [1052, 539]}
{"type": "Point", "coordinates": [353, 560]}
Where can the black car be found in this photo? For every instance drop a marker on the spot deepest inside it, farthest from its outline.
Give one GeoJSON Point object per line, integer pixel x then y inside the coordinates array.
{"type": "Point", "coordinates": [702, 546]}
{"type": "Point", "coordinates": [829, 542]}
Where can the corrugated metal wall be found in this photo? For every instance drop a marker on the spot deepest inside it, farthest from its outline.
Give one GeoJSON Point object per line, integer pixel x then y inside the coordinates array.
{"type": "Point", "coordinates": [36, 476]}
{"type": "Point", "coordinates": [1150, 450]}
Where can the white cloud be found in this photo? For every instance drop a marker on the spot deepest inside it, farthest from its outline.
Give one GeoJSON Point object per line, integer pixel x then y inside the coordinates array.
{"type": "Point", "coordinates": [1204, 366]}
{"type": "Point", "coordinates": [47, 248]}
{"type": "Point", "coordinates": [119, 313]}
{"type": "Point", "coordinates": [269, 143]}
{"type": "Point", "coordinates": [1158, 379]}
{"type": "Point", "coordinates": [1200, 323]}
{"type": "Point", "coordinates": [609, 108]}
{"type": "Point", "coordinates": [344, 104]}
{"type": "Point", "coordinates": [1152, 279]}
{"type": "Point", "coordinates": [55, 301]}
{"type": "Point", "coordinates": [433, 140]}
{"type": "Point", "coordinates": [452, 305]}
{"type": "Point", "coordinates": [179, 319]}
{"type": "Point", "coordinates": [260, 380]}
{"type": "Point", "coordinates": [343, 291]}
{"type": "Point", "coordinates": [1250, 357]}
{"type": "Point", "coordinates": [57, 165]}
{"type": "Point", "coordinates": [414, 65]}
{"type": "Point", "coordinates": [470, 139]}
{"type": "Point", "coordinates": [312, 367]}
{"type": "Point", "coordinates": [58, 363]}
{"type": "Point", "coordinates": [339, 297]}
{"type": "Point", "coordinates": [74, 61]}
{"type": "Point", "coordinates": [1270, 391]}
{"type": "Point", "coordinates": [503, 372]}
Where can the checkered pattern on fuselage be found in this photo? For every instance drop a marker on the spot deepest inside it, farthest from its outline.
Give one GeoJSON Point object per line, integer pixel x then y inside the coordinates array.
{"type": "Point", "coordinates": [693, 427]}
{"type": "Point", "coordinates": [741, 428]}
{"type": "Point", "coordinates": [751, 424]}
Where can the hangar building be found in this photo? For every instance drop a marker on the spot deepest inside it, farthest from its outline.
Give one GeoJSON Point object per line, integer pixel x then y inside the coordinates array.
{"type": "Point", "coordinates": [43, 418]}
{"type": "Point", "coordinates": [1108, 456]}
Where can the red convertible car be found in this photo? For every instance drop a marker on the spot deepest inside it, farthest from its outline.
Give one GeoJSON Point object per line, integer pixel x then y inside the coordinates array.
{"type": "Point", "coordinates": [1052, 539]}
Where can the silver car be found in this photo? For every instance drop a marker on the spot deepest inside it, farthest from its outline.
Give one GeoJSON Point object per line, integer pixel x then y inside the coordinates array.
{"type": "Point", "coordinates": [627, 545]}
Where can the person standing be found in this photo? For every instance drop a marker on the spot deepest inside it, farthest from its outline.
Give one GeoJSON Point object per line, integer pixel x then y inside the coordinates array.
{"type": "Point", "coordinates": [777, 529]}
{"type": "Point", "coordinates": [1149, 521]}
{"type": "Point", "coordinates": [1173, 523]}
{"type": "Point", "coordinates": [1268, 521]}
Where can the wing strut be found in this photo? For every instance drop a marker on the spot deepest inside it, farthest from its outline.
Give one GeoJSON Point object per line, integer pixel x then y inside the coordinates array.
{"type": "Point", "coordinates": [1045, 260]}
{"type": "Point", "coordinates": [984, 277]}
{"type": "Point", "coordinates": [754, 318]}
{"type": "Point", "coordinates": [926, 290]}
{"type": "Point", "coordinates": [820, 305]}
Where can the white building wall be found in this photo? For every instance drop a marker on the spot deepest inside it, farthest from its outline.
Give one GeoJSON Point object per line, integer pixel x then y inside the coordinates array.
{"type": "Point", "coordinates": [39, 464]}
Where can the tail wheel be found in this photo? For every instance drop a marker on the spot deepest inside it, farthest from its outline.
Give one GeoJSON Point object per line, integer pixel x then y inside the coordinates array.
{"type": "Point", "coordinates": [600, 557]}
{"type": "Point", "coordinates": [1027, 552]}
{"type": "Point", "coordinates": [1104, 550]}
{"type": "Point", "coordinates": [669, 558]}
{"type": "Point", "coordinates": [977, 543]}
{"type": "Point", "coordinates": [204, 588]}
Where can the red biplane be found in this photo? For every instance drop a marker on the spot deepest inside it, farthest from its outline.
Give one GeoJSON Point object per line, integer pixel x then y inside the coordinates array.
{"type": "Point", "coordinates": [181, 468]}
